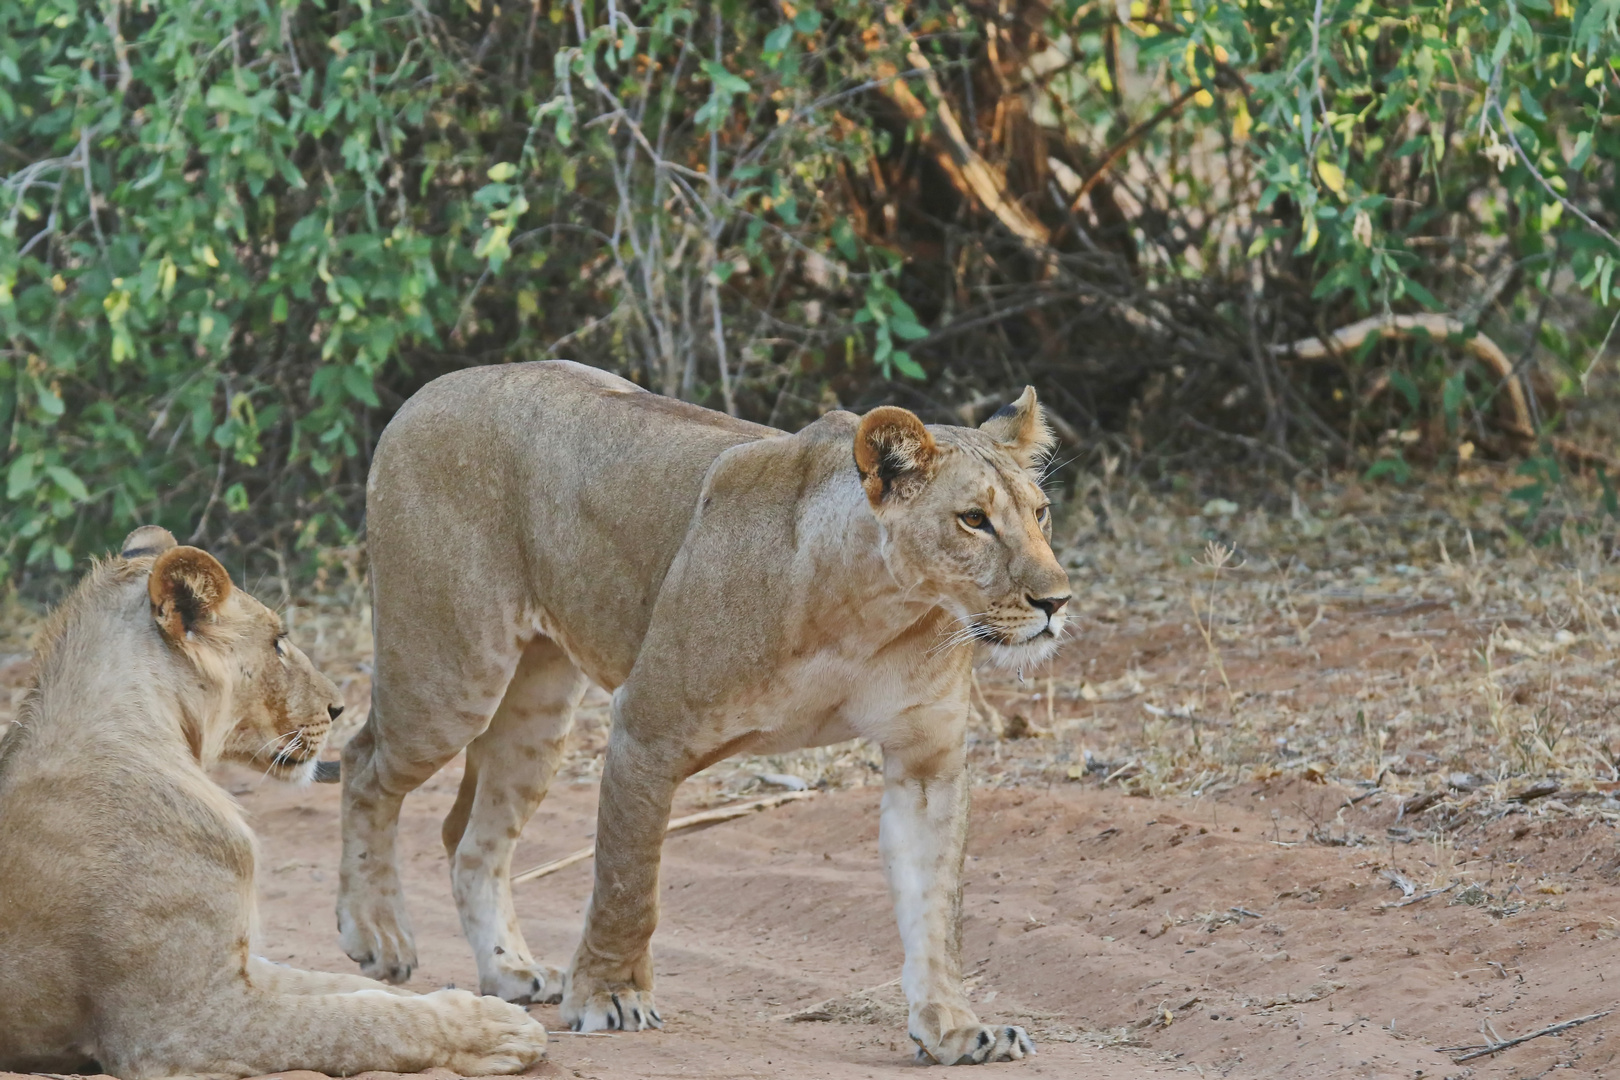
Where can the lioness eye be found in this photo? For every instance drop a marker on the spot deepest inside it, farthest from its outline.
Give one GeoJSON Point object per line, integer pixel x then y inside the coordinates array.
{"type": "Point", "coordinates": [281, 647]}
{"type": "Point", "coordinates": [974, 519]}
{"type": "Point", "coordinates": [1042, 514]}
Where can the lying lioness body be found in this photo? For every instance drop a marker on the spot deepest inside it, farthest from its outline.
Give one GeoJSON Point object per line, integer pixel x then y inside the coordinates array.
{"type": "Point", "coordinates": [533, 526]}
{"type": "Point", "coordinates": [126, 874]}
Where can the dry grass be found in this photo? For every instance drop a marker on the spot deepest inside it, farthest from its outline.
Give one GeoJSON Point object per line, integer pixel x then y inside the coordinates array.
{"type": "Point", "coordinates": [1399, 642]}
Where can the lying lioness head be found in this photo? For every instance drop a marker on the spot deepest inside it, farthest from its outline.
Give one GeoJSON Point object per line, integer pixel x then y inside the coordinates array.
{"type": "Point", "coordinates": [282, 707]}
{"type": "Point", "coordinates": [964, 519]}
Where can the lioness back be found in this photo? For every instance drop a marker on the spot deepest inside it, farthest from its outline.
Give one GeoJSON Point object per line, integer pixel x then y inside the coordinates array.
{"type": "Point", "coordinates": [522, 474]}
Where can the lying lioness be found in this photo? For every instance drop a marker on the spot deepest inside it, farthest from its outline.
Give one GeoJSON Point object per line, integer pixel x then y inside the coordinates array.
{"type": "Point", "coordinates": [532, 526]}
{"type": "Point", "coordinates": [126, 875]}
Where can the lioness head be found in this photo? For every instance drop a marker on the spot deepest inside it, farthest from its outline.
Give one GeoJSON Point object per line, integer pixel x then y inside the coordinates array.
{"type": "Point", "coordinates": [964, 519]}
{"type": "Point", "coordinates": [277, 710]}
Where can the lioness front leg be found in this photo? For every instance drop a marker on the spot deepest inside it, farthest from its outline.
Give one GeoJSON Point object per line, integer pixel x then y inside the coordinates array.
{"type": "Point", "coordinates": [610, 984]}
{"type": "Point", "coordinates": [242, 1030]}
{"type": "Point", "coordinates": [922, 835]}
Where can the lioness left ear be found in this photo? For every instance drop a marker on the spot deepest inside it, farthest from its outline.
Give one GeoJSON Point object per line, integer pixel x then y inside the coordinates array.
{"type": "Point", "coordinates": [1021, 429]}
{"type": "Point", "coordinates": [146, 540]}
{"type": "Point", "coordinates": [187, 589]}
{"type": "Point", "coordinates": [893, 452]}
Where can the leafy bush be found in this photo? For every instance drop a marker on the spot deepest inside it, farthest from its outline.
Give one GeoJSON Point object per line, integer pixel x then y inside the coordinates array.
{"type": "Point", "coordinates": [234, 236]}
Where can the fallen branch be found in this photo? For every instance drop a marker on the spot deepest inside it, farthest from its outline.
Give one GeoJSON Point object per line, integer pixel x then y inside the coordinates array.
{"type": "Point", "coordinates": [1497, 1047]}
{"type": "Point", "coordinates": [1481, 347]}
{"type": "Point", "coordinates": [1421, 896]}
{"type": "Point", "coordinates": [1516, 424]}
{"type": "Point", "coordinates": [706, 817]}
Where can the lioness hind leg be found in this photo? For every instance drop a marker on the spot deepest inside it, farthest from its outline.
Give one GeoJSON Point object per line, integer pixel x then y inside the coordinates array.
{"type": "Point", "coordinates": [241, 1030]}
{"type": "Point", "coordinates": [411, 733]}
{"type": "Point", "coordinates": [509, 768]}
{"type": "Point", "coordinates": [267, 975]}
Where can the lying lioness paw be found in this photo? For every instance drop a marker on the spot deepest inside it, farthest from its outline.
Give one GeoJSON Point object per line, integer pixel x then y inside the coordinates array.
{"type": "Point", "coordinates": [535, 526]}
{"type": "Point", "coordinates": [127, 875]}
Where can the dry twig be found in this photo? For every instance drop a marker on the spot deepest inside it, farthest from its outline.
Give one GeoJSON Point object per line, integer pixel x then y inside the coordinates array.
{"type": "Point", "coordinates": [706, 817]}
{"type": "Point", "coordinates": [1485, 1049]}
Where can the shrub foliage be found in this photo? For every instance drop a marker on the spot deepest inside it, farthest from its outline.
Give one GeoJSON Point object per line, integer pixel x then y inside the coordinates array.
{"type": "Point", "coordinates": [234, 235]}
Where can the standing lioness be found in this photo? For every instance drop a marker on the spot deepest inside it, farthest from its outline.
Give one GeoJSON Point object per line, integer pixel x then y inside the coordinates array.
{"type": "Point", "coordinates": [126, 874]}
{"type": "Point", "coordinates": [740, 590]}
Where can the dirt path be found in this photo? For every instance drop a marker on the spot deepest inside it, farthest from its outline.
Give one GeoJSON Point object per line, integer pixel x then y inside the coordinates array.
{"type": "Point", "coordinates": [1088, 914]}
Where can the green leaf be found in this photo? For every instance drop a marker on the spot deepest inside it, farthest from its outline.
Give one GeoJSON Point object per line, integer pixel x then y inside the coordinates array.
{"type": "Point", "coordinates": [221, 96]}
{"type": "Point", "coordinates": [1395, 468]}
{"type": "Point", "coordinates": [20, 477]}
{"type": "Point", "coordinates": [1403, 384]}
{"type": "Point", "coordinates": [723, 80]}
{"type": "Point", "coordinates": [502, 171]}
{"type": "Point", "coordinates": [1583, 150]}
{"type": "Point", "coordinates": [844, 236]}
{"type": "Point", "coordinates": [68, 482]}
{"type": "Point", "coordinates": [358, 383]}
{"type": "Point", "coordinates": [49, 402]}
{"type": "Point", "coordinates": [1423, 296]}
{"type": "Point", "coordinates": [908, 367]}
{"type": "Point", "coordinates": [779, 39]}
{"type": "Point", "coordinates": [807, 21]}
{"type": "Point", "coordinates": [906, 328]}
{"type": "Point", "coordinates": [1451, 399]}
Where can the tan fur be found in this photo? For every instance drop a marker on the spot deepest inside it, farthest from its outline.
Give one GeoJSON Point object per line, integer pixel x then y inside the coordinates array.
{"type": "Point", "coordinates": [127, 875]}
{"type": "Point", "coordinates": [740, 590]}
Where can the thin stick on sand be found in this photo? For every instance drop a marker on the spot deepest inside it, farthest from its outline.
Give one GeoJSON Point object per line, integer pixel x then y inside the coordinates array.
{"type": "Point", "coordinates": [722, 813]}
{"type": "Point", "coordinates": [1494, 1047]}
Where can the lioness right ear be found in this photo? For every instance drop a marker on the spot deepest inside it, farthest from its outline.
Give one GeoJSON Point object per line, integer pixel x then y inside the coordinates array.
{"type": "Point", "coordinates": [187, 588]}
{"type": "Point", "coordinates": [893, 453]}
{"type": "Point", "coordinates": [146, 540]}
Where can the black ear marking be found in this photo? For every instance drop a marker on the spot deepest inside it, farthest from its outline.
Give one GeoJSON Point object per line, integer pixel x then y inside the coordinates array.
{"type": "Point", "coordinates": [146, 540]}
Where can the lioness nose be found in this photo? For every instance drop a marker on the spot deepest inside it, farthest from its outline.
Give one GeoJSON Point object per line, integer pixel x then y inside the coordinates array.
{"type": "Point", "coordinates": [1049, 604]}
{"type": "Point", "coordinates": [334, 711]}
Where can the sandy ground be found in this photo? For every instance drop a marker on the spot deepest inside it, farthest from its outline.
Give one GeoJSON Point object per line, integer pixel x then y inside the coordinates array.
{"type": "Point", "coordinates": [1184, 838]}
{"type": "Point", "coordinates": [1135, 936]}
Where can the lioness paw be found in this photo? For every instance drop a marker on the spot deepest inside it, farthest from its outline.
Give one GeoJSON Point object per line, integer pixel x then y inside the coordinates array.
{"type": "Point", "coordinates": [494, 1037]}
{"type": "Point", "coordinates": [613, 1008]}
{"type": "Point", "coordinates": [538, 984]}
{"type": "Point", "coordinates": [375, 936]}
{"type": "Point", "coordinates": [978, 1044]}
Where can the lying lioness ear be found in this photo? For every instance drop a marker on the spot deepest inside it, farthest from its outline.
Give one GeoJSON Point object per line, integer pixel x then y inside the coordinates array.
{"type": "Point", "coordinates": [1021, 428]}
{"type": "Point", "coordinates": [186, 588]}
{"type": "Point", "coordinates": [893, 452]}
{"type": "Point", "coordinates": [146, 540]}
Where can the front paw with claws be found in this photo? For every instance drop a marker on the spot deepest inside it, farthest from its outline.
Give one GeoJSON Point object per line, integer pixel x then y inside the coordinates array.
{"type": "Point", "coordinates": [976, 1044]}
{"type": "Point", "coordinates": [619, 1007]}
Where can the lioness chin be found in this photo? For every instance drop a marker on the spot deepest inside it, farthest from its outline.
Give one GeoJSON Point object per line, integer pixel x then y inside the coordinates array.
{"type": "Point", "coordinates": [534, 526]}
{"type": "Point", "coordinates": [126, 874]}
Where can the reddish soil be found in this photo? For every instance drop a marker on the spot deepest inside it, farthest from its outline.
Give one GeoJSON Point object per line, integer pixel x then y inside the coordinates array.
{"type": "Point", "coordinates": [1073, 898]}
{"type": "Point", "coordinates": [1134, 928]}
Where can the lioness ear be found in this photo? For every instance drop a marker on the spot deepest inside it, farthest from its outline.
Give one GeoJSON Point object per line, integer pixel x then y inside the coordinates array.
{"type": "Point", "coordinates": [146, 540]}
{"type": "Point", "coordinates": [1021, 429]}
{"type": "Point", "coordinates": [187, 588]}
{"type": "Point", "coordinates": [893, 452]}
